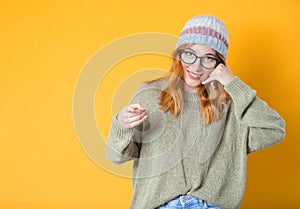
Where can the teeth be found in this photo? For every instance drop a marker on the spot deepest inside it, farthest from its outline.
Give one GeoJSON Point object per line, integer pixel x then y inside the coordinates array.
{"type": "Point", "coordinates": [194, 74]}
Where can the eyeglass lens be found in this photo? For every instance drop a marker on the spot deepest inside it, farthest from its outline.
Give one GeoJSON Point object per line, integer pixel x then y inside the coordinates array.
{"type": "Point", "coordinates": [207, 62]}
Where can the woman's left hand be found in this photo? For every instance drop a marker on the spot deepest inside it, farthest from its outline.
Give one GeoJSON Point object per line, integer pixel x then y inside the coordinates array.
{"type": "Point", "coordinates": [222, 74]}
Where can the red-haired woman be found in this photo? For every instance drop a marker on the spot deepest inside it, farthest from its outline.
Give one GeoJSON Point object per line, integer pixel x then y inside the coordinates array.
{"type": "Point", "coordinates": [189, 132]}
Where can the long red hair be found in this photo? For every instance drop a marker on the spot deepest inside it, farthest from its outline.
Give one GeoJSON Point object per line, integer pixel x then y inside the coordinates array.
{"type": "Point", "coordinates": [213, 100]}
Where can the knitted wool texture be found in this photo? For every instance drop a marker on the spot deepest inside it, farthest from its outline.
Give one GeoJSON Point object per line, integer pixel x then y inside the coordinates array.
{"type": "Point", "coordinates": [206, 30]}
{"type": "Point", "coordinates": [174, 156]}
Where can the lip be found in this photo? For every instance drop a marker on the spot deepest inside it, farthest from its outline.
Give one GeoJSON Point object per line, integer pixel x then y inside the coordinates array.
{"type": "Point", "coordinates": [194, 75]}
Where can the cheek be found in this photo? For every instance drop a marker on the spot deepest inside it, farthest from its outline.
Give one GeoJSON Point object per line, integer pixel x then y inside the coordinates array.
{"type": "Point", "coordinates": [207, 73]}
{"type": "Point", "coordinates": [184, 66]}
{"type": "Point", "coordinates": [184, 72]}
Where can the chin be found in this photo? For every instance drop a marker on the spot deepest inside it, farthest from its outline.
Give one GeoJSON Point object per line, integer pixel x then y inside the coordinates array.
{"type": "Point", "coordinates": [192, 86]}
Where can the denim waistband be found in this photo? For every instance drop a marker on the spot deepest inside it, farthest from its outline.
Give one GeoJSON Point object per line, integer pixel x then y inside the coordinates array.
{"type": "Point", "coordinates": [187, 201]}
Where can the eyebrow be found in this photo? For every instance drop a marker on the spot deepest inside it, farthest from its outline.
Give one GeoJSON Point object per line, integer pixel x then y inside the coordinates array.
{"type": "Point", "coordinates": [204, 54]}
{"type": "Point", "coordinates": [211, 54]}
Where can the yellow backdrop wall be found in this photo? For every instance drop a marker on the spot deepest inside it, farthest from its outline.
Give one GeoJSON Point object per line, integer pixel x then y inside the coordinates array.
{"type": "Point", "coordinates": [46, 44]}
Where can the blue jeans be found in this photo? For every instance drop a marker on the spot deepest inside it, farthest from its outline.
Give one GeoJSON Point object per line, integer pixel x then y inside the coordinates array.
{"type": "Point", "coordinates": [187, 202]}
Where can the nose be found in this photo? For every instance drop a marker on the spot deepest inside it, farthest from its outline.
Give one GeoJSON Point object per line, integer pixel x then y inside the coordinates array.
{"type": "Point", "coordinates": [196, 66]}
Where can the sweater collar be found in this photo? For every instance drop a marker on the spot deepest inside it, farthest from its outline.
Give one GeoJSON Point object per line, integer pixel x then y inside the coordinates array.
{"type": "Point", "coordinates": [190, 97]}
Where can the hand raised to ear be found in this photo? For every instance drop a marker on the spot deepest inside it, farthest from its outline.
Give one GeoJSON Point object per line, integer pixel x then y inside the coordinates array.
{"type": "Point", "coordinates": [222, 74]}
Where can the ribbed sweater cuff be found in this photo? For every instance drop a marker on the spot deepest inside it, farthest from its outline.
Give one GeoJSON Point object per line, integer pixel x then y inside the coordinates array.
{"type": "Point", "coordinates": [122, 135]}
{"type": "Point", "coordinates": [237, 88]}
{"type": "Point", "coordinates": [241, 94]}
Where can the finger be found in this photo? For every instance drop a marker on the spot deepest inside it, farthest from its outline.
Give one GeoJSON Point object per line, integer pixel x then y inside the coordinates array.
{"type": "Point", "coordinates": [136, 117]}
{"type": "Point", "coordinates": [131, 116]}
{"type": "Point", "coordinates": [137, 122]}
{"type": "Point", "coordinates": [129, 112]}
{"type": "Point", "coordinates": [134, 114]}
{"type": "Point", "coordinates": [220, 66]}
{"type": "Point", "coordinates": [137, 105]}
{"type": "Point", "coordinates": [209, 79]}
{"type": "Point", "coordinates": [135, 108]}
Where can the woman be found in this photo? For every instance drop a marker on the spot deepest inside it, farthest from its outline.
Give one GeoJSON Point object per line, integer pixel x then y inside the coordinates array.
{"type": "Point", "coordinates": [189, 133]}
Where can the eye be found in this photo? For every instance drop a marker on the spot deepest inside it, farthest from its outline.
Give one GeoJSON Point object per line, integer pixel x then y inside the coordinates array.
{"type": "Point", "coordinates": [188, 57]}
{"type": "Point", "coordinates": [189, 54]}
{"type": "Point", "coordinates": [210, 59]}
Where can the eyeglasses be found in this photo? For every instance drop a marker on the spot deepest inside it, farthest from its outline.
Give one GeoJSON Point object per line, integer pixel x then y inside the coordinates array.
{"type": "Point", "coordinates": [206, 61]}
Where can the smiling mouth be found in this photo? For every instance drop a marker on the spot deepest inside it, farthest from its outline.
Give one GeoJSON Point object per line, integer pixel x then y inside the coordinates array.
{"type": "Point", "coordinates": [194, 75]}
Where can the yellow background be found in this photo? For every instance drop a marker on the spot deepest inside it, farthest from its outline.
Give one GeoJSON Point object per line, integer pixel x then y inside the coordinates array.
{"type": "Point", "coordinates": [44, 46]}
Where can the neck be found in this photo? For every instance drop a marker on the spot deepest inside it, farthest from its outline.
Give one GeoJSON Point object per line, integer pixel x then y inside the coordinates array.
{"type": "Point", "coordinates": [192, 89]}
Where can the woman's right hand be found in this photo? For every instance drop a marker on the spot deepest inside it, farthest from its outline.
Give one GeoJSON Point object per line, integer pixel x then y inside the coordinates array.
{"type": "Point", "coordinates": [131, 116]}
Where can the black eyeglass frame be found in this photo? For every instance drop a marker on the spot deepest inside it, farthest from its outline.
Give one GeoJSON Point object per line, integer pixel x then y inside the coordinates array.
{"type": "Point", "coordinates": [218, 60]}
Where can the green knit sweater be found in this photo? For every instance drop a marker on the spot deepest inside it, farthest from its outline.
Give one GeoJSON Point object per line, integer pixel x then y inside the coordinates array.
{"type": "Point", "coordinates": [182, 155]}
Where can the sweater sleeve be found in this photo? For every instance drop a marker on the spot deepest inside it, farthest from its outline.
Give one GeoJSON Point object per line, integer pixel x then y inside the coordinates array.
{"type": "Point", "coordinates": [264, 125]}
{"type": "Point", "coordinates": [120, 146]}
{"type": "Point", "coordinates": [123, 144]}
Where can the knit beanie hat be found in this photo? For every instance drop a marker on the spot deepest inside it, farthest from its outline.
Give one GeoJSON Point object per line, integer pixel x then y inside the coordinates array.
{"type": "Point", "coordinates": [206, 30]}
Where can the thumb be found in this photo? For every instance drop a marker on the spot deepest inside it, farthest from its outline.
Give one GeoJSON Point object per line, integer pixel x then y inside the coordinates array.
{"type": "Point", "coordinates": [209, 79]}
{"type": "Point", "coordinates": [137, 106]}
